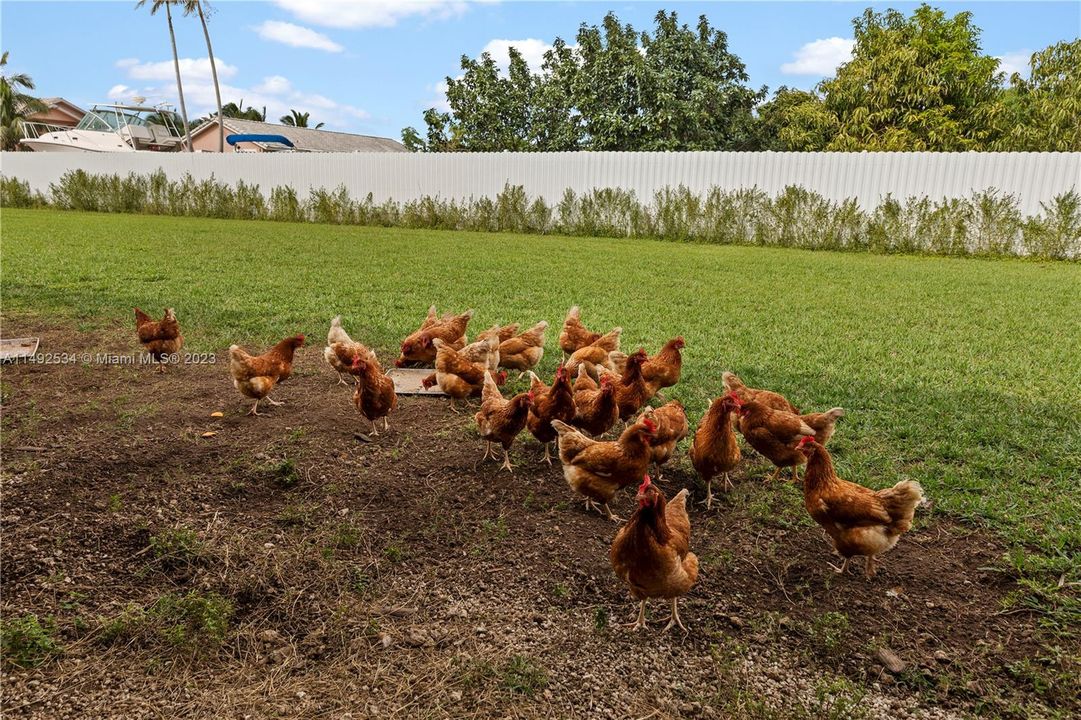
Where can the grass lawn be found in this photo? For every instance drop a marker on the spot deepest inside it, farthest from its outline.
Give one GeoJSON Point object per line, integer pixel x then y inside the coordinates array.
{"type": "Point", "coordinates": [961, 374]}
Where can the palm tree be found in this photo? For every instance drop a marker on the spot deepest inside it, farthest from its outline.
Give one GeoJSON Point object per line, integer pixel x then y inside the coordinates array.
{"type": "Point", "coordinates": [297, 119]}
{"type": "Point", "coordinates": [15, 105]}
{"type": "Point", "coordinates": [195, 6]}
{"type": "Point", "coordinates": [156, 5]}
{"type": "Point", "coordinates": [232, 110]}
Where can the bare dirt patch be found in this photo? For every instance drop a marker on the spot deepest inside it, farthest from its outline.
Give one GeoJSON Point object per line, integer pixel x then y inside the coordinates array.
{"type": "Point", "coordinates": [402, 578]}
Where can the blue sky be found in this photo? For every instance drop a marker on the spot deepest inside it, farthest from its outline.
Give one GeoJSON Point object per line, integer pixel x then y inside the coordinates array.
{"type": "Point", "coordinates": [373, 66]}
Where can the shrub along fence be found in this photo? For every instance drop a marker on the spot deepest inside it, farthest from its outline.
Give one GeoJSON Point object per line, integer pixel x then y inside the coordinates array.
{"type": "Point", "coordinates": [987, 223]}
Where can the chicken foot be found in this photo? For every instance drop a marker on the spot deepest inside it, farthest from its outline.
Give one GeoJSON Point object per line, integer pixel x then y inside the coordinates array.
{"type": "Point", "coordinates": [506, 461]}
{"type": "Point", "coordinates": [375, 429]}
{"type": "Point", "coordinates": [547, 453]}
{"type": "Point", "coordinates": [640, 622]}
{"type": "Point", "coordinates": [274, 402]}
{"type": "Point", "coordinates": [488, 451]}
{"type": "Point", "coordinates": [254, 409]}
{"type": "Point", "coordinates": [840, 570]}
{"type": "Point", "coordinates": [675, 618]}
{"type": "Point", "coordinates": [603, 509]}
{"type": "Point", "coordinates": [708, 502]}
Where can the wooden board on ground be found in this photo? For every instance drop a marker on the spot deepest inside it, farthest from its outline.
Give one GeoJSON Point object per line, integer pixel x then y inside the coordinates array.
{"type": "Point", "coordinates": [17, 348]}
{"type": "Point", "coordinates": [407, 381]}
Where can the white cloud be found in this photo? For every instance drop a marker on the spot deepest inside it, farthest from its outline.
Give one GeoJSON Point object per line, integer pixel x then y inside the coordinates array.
{"type": "Point", "coordinates": [371, 13]}
{"type": "Point", "coordinates": [120, 92]}
{"type": "Point", "coordinates": [820, 57]}
{"type": "Point", "coordinates": [275, 92]}
{"type": "Point", "coordinates": [274, 85]}
{"type": "Point", "coordinates": [1014, 62]}
{"type": "Point", "coordinates": [195, 68]}
{"type": "Point", "coordinates": [296, 36]}
{"type": "Point", "coordinates": [532, 51]}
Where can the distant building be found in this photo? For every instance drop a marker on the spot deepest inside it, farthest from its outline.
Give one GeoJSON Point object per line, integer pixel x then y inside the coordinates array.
{"type": "Point", "coordinates": [205, 138]}
{"type": "Point", "coordinates": [59, 112]}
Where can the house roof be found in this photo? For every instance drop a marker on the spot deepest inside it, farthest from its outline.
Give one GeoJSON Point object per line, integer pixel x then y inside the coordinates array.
{"type": "Point", "coordinates": [71, 108]}
{"type": "Point", "coordinates": [308, 138]}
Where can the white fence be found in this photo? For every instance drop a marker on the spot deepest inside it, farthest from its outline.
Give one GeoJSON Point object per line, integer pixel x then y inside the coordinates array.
{"type": "Point", "coordinates": [1031, 177]}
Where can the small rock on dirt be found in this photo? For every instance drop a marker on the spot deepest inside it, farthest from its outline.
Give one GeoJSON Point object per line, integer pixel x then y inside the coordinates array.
{"type": "Point", "coordinates": [890, 660]}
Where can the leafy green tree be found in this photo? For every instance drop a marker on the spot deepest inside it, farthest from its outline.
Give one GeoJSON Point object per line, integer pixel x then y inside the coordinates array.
{"type": "Point", "coordinates": [694, 95]}
{"type": "Point", "coordinates": [915, 83]}
{"type": "Point", "coordinates": [298, 119]}
{"type": "Point", "coordinates": [156, 5]}
{"type": "Point", "coordinates": [1043, 113]}
{"type": "Point", "coordinates": [412, 140]}
{"type": "Point", "coordinates": [677, 89]}
{"type": "Point", "coordinates": [233, 110]}
{"type": "Point", "coordinates": [15, 105]}
{"type": "Point", "coordinates": [557, 125]}
{"type": "Point", "coordinates": [795, 120]}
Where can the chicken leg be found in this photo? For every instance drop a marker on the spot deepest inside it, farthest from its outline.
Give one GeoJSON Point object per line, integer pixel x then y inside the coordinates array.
{"type": "Point", "coordinates": [708, 502]}
{"type": "Point", "coordinates": [869, 568]}
{"type": "Point", "coordinates": [274, 402]}
{"type": "Point", "coordinates": [641, 621]}
{"type": "Point", "coordinates": [547, 454]}
{"type": "Point", "coordinates": [254, 409]}
{"type": "Point", "coordinates": [375, 430]}
{"type": "Point", "coordinates": [675, 618]}
{"type": "Point", "coordinates": [386, 423]}
{"type": "Point", "coordinates": [487, 450]}
{"type": "Point", "coordinates": [506, 461]}
{"type": "Point", "coordinates": [840, 570]}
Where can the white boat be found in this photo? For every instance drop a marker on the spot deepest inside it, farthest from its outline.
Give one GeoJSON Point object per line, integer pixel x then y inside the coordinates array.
{"type": "Point", "coordinates": [110, 128]}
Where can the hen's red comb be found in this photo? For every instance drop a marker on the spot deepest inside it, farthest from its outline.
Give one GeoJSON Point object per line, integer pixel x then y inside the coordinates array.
{"type": "Point", "coordinates": [806, 439]}
{"type": "Point", "coordinates": [650, 425]}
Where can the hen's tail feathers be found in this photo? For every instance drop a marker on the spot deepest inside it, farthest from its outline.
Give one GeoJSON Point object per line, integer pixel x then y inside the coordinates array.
{"type": "Point", "coordinates": [336, 321]}
{"type": "Point", "coordinates": [536, 332]}
{"type": "Point", "coordinates": [574, 313]}
{"type": "Point", "coordinates": [805, 429]}
{"type": "Point", "coordinates": [563, 428]}
{"type": "Point", "coordinates": [731, 381]}
{"type": "Point", "coordinates": [835, 413]}
{"type": "Point", "coordinates": [909, 491]}
{"type": "Point", "coordinates": [680, 498]}
{"type": "Point", "coordinates": [491, 389]}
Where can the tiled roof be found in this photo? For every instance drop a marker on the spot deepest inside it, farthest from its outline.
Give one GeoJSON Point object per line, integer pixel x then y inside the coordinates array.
{"type": "Point", "coordinates": [309, 138]}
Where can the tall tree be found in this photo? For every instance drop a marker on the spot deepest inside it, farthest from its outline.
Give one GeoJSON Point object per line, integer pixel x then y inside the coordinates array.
{"type": "Point", "coordinates": [675, 89]}
{"type": "Point", "coordinates": [156, 5]}
{"type": "Point", "coordinates": [298, 119]}
{"type": "Point", "coordinates": [198, 6]}
{"type": "Point", "coordinates": [795, 120]}
{"type": "Point", "coordinates": [1043, 113]}
{"type": "Point", "coordinates": [15, 104]}
{"type": "Point", "coordinates": [915, 83]}
{"type": "Point", "coordinates": [233, 110]}
{"type": "Point", "coordinates": [694, 91]}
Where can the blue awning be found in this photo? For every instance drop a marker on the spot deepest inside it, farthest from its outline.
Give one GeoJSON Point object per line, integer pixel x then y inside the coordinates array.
{"type": "Point", "coordinates": [280, 139]}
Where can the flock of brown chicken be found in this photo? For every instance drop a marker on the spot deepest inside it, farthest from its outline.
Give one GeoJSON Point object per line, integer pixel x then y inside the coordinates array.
{"type": "Point", "coordinates": [594, 389]}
